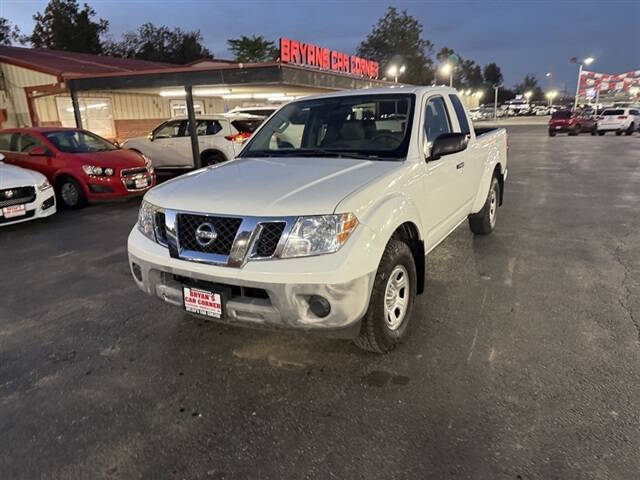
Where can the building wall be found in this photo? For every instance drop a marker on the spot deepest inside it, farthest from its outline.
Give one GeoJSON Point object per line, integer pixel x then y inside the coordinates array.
{"type": "Point", "coordinates": [13, 98]}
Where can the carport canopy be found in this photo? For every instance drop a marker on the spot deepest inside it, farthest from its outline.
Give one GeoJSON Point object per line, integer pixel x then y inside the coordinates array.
{"type": "Point", "coordinates": [218, 78]}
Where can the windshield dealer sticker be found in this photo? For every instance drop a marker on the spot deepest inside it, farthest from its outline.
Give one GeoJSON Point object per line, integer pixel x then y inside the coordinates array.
{"type": "Point", "coordinates": [202, 302]}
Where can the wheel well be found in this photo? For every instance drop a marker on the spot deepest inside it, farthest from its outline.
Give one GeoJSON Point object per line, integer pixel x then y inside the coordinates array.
{"type": "Point", "coordinates": [408, 233]}
{"type": "Point", "coordinates": [212, 151]}
{"type": "Point", "coordinates": [497, 172]}
{"type": "Point", "coordinates": [61, 177]}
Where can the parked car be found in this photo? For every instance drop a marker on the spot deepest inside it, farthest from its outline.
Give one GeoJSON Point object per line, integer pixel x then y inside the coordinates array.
{"type": "Point", "coordinates": [220, 138]}
{"type": "Point", "coordinates": [619, 120]}
{"type": "Point", "coordinates": [327, 232]}
{"type": "Point", "coordinates": [541, 110]}
{"type": "Point", "coordinates": [24, 195]}
{"type": "Point", "coordinates": [566, 121]}
{"type": "Point", "coordinates": [81, 165]}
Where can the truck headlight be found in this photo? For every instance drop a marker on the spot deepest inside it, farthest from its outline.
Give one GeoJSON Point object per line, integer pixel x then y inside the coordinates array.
{"type": "Point", "coordinates": [44, 185]}
{"type": "Point", "coordinates": [319, 234]}
{"type": "Point", "coordinates": [146, 220]}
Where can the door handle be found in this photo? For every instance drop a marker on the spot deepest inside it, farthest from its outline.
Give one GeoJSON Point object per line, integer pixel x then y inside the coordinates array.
{"type": "Point", "coordinates": [460, 165]}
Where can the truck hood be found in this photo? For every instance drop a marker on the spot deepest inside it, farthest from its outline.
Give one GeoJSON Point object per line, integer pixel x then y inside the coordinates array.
{"type": "Point", "coordinates": [288, 186]}
{"type": "Point", "coordinates": [12, 176]}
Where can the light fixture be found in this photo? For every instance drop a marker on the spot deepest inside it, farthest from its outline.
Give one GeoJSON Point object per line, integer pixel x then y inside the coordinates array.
{"type": "Point", "coordinates": [211, 91]}
{"type": "Point", "coordinates": [392, 71]}
{"type": "Point", "coordinates": [172, 93]}
{"type": "Point", "coordinates": [445, 69]}
{"type": "Point", "coordinates": [237, 96]}
{"type": "Point", "coordinates": [528, 94]}
{"type": "Point", "coordinates": [588, 60]}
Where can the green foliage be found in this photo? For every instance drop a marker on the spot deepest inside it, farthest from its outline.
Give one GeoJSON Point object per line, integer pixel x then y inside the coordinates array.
{"type": "Point", "coordinates": [159, 44]}
{"type": "Point", "coordinates": [492, 74]}
{"type": "Point", "coordinates": [64, 26]}
{"type": "Point", "coordinates": [397, 40]}
{"type": "Point", "coordinates": [254, 49]}
{"type": "Point", "coordinates": [8, 33]}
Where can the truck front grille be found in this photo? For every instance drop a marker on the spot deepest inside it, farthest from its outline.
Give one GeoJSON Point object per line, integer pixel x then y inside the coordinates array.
{"type": "Point", "coordinates": [225, 228]}
{"type": "Point", "coordinates": [269, 238]}
{"type": "Point", "coordinates": [16, 196]}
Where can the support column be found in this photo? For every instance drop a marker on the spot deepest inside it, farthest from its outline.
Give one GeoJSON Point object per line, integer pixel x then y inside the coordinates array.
{"type": "Point", "coordinates": [195, 148]}
{"type": "Point", "coordinates": [76, 106]}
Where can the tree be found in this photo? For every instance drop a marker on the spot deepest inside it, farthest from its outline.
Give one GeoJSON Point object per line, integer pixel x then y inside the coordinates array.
{"type": "Point", "coordinates": [8, 33]}
{"type": "Point", "coordinates": [472, 74]}
{"type": "Point", "coordinates": [64, 26]}
{"type": "Point", "coordinates": [159, 44]}
{"type": "Point", "coordinates": [254, 49]}
{"type": "Point", "coordinates": [492, 74]}
{"type": "Point", "coordinates": [396, 39]}
{"type": "Point", "coordinates": [530, 84]}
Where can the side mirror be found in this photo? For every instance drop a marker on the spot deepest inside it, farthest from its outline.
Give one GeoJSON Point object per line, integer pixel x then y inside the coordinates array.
{"type": "Point", "coordinates": [150, 137]}
{"type": "Point", "coordinates": [448, 143]}
{"type": "Point", "coordinates": [40, 151]}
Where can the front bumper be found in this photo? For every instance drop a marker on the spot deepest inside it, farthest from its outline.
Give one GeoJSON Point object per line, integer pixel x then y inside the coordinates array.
{"type": "Point", "coordinates": [43, 206]}
{"type": "Point", "coordinates": [109, 188]}
{"type": "Point", "coordinates": [285, 304]}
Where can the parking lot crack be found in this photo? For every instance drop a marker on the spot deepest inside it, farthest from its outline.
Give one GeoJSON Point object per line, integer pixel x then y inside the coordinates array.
{"type": "Point", "coordinates": [625, 301]}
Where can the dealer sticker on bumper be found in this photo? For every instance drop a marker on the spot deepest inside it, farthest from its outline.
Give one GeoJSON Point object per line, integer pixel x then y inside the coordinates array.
{"type": "Point", "coordinates": [202, 302]}
{"type": "Point", "coordinates": [14, 211]}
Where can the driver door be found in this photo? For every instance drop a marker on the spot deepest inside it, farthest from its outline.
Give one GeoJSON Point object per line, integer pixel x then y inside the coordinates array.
{"type": "Point", "coordinates": [167, 147]}
{"type": "Point", "coordinates": [443, 189]}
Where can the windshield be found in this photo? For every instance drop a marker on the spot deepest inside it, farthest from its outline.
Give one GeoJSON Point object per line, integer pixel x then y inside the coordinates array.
{"type": "Point", "coordinates": [77, 141]}
{"type": "Point", "coordinates": [358, 126]}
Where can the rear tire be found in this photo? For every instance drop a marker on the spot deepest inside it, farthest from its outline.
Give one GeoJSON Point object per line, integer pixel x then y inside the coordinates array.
{"type": "Point", "coordinates": [484, 222]}
{"type": "Point", "coordinates": [575, 131]}
{"type": "Point", "coordinates": [618, 132]}
{"type": "Point", "coordinates": [594, 130]}
{"type": "Point", "coordinates": [630, 129]}
{"type": "Point", "coordinates": [70, 194]}
{"type": "Point", "coordinates": [601, 132]}
{"type": "Point", "coordinates": [552, 133]}
{"type": "Point", "coordinates": [213, 158]}
{"type": "Point", "coordinates": [385, 324]}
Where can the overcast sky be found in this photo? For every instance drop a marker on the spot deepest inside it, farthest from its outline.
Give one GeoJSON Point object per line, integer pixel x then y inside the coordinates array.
{"type": "Point", "coordinates": [534, 36]}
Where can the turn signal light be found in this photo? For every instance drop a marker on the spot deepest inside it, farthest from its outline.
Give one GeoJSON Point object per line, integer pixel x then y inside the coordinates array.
{"type": "Point", "coordinates": [238, 137]}
{"type": "Point", "coordinates": [622, 117]}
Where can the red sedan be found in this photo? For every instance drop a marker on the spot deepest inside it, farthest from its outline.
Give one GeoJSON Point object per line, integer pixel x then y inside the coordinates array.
{"type": "Point", "coordinates": [81, 165]}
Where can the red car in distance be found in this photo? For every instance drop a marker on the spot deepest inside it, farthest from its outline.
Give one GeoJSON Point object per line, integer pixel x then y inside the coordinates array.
{"type": "Point", "coordinates": [82, 166]}
{"type": "Point", "coordinates": [573, 123]}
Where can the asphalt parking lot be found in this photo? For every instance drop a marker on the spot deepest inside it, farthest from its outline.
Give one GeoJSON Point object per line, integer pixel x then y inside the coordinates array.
{"type": "Point", "coordinates": [523, 363]}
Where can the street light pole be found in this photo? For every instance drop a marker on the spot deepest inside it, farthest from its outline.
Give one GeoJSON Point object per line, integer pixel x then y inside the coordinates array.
{"type": "Point", "coordinates": [586, 61]}
{"type": "Point", "coordinates": [495, 102]}
{"type": "Point", "coordinates": [575, 102]}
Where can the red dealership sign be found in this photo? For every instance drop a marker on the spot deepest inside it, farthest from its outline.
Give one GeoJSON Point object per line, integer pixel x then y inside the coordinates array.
{"type": "Point", "coordinates": [308, 54]}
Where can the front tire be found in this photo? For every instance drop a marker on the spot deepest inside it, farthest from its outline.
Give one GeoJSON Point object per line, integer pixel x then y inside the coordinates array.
{"type": "Point", "coordinates": [575, 131]}
{"type": "Point", "coordinates": [385, 324]}
{"type": "Point", "coordinates": [601, 132]}
{"type": "Point", "coordinates": [594, 131]}
{"type": "Point", "coordinates": [484, 222]}
{"type": "Point", "coordinates": [70, 193]}
{"type": "Point", "coordinates": [552, 133]}
{"type": "Point", "coordinates": [618, 133]}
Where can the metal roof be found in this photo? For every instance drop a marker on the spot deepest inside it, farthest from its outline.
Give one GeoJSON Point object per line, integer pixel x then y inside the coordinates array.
{"type": "Point", "coordinates": [67, 64]}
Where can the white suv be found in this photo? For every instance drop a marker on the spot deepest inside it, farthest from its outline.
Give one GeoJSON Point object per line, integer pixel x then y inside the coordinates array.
{"type": "Point", "coordinates": [220, 137]}
{"type": "Point", "coordinates": [619, 120]}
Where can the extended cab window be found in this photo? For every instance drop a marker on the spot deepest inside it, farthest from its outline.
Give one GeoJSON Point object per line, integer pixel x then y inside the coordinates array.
{"type": "Point", "coordinates": [633, 112]}
{"type": "Point", "coordinates": [436, 119]}
{"type": "Point", "coordinates": [460, 113]}
{"type": "Point", "coordinates": [359, 126]}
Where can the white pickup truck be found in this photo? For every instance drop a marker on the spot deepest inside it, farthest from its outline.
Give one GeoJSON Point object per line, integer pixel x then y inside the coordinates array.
{"type": "Point", "coordinates": [327, 230]}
